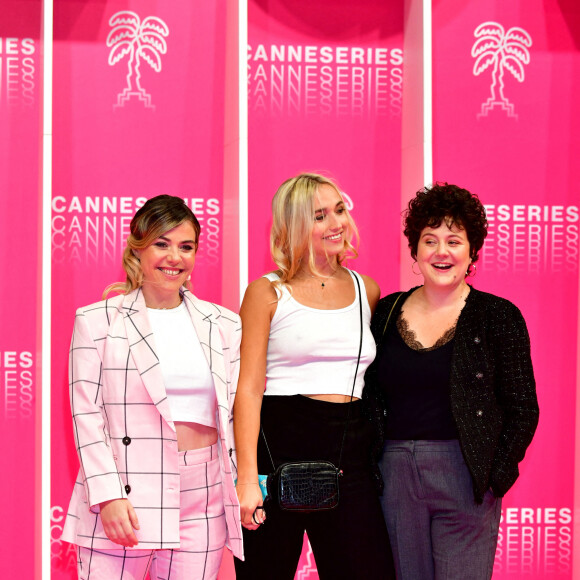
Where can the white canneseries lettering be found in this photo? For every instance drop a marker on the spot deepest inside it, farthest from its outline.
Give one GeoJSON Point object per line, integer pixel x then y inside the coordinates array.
{"type": "Point", "coordinates": [532, 213]}
{"type": "Point", "coordinates": [212, 206]}
{"type": "Point", "coordinates": [94, 229]}
{"type": "Point", "coordinates": [325, 54]}
{"type": "Point", "coordinates": [209, 249]}
{"type": "Point", "coordinates": [14, 46]}
{"type": "Point", "coordinates": [339, 81]}
{"type": "Point", "coordinates": [396, 91]}
{"type": "Point", "coordinates": [97, 204]}
{"type": "Point", "coordinates": [138, 41]}
{"type": "Point", "coordinates": [535, 541]}
{"type": "Point", "coordinates": [211, 241]}
{"type": "Point", "coordinates": [17, 71]}
{"type": "Point", "coordinates": [62, 554]}
{"type": "Point", "coordinates": [15, 359]}
{"type": "Point", "coordinates": [56, 513]}
{"type": "Point", "coordinates": [16, 382]}
{"type": "Point", "coordinates": [501, 52]}
{"type": "Point", "coordinates": [28, 81]}
{"type": "Point", "coordinates": [532, 238]}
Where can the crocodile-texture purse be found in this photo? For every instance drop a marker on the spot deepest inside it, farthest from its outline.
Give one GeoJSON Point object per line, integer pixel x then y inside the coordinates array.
{"type": "Point", "coordinates": [305, 486]}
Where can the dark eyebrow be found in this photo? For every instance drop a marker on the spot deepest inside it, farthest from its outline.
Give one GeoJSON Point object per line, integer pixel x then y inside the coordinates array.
{"type": "Point", "coordinates": [338, 204]}
{"type": "Point", "coordinates": [182, 242]}
{"type": "Point", "coordinates": [432, 234]}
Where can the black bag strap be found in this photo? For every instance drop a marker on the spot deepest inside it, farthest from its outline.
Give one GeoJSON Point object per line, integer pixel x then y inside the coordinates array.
{"type": "Point", "coordinates": [391, 312]}
{"type": "Point", "coordinates": [355, 276]}
{"type": "Point", "coordinates": [267, 448]}
{"type": "Point", "coordinates": [355, 371]}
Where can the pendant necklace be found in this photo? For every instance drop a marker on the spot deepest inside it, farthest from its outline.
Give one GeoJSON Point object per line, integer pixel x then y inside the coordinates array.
{"type": "Point", "coordinates": [326, 277]}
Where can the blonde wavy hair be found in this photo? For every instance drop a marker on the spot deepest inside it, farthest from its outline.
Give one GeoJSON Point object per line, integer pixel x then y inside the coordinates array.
{"type": "Point", "coordinates": [293, 220]}
{"type": "Point", "coordinates": [157, 216]}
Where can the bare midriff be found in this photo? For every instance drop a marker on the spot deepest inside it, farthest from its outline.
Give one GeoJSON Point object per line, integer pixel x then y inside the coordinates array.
{"type": "Point", "coordinates": [332, 398]}
{"type": "Point", "coordinates": [194, 435]}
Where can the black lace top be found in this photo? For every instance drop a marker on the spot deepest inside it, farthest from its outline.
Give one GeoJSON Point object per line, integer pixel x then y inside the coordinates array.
{"type": "Point", "coordinates": [410, 338]}
{"type": "Point", "coordinates": [415, 384]}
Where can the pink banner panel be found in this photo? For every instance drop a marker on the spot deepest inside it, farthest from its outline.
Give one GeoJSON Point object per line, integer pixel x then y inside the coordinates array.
{"type": "Point", "coordinates": [505, 126]}
{"type": "Point", "coordinates": [20, 312]}
{"type": "Point", "coordinates": [138, 106]}
{"type": "Point", "coordinates": [325, 95]}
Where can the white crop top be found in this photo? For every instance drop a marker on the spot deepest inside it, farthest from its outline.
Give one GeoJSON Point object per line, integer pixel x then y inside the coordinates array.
{"type": "Point", "coordinates": [186, 374]}
{"type": "Point", "coordinates": [314, 352]}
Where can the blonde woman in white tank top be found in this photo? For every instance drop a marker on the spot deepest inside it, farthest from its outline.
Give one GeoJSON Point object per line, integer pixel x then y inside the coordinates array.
{"type": "Point", "coordinates": [301, 330]}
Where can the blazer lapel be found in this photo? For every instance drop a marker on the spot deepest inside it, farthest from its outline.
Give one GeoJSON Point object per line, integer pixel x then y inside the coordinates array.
{"type": "Point", "coordinates": [204, 317]}
{"type": "Point", "coordinates": [142, 346]}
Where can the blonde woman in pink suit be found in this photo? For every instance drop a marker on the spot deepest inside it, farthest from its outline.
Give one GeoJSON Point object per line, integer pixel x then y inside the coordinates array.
{"type": "Point", "coordinates": [152, 374]}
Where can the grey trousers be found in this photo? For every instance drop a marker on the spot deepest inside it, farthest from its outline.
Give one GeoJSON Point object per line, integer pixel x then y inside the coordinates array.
{"type": "Point", "coordinates": [437, 531]}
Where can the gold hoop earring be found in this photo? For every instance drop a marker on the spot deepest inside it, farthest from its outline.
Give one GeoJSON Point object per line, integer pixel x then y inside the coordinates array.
{"type": "Point", "coordinates": [413, 269]}
{"type": "Point", "coordinates": [471, 271]}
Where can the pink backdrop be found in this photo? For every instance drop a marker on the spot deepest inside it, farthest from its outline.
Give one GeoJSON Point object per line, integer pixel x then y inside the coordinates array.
{"type": "Point", "coordinates": [325, 88]}
{"type": "Point", "coordinates": [20, 312]}
{"type": "Point", "coordinates": [127, 126]}
{"type": "Point", "coordinates": [505, 125]}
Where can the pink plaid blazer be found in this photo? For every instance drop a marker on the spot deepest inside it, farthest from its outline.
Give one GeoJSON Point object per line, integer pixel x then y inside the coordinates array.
{"type": "Point", "coordinates": [124, 434]}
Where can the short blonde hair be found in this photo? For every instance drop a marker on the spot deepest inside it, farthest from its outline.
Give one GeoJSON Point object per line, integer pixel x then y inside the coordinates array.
{"type": "Point", "coordinates": [293, 220]}
{"type": "Point", "coordinates": [157, 216]}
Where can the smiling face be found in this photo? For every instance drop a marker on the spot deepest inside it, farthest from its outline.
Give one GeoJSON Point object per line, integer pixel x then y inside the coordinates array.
{"type": "Point", "coordinates": [443, 255]}
{"type": "Point", "coordinates": [330, 225]}
{"type": "Point", "coordinates": [166, 265]}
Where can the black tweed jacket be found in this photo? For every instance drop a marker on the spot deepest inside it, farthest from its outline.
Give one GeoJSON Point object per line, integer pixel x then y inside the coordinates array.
{"type": "Point", "coordinates": [493, 391]}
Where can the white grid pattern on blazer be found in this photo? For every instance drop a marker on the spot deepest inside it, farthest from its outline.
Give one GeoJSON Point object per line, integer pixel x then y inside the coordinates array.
{"type": "Point", "coordinates": [123, 430]}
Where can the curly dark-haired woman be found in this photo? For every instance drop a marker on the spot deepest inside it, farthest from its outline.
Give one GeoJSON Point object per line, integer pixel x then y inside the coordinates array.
{"type": "Point", "coordinates": [455, 396]}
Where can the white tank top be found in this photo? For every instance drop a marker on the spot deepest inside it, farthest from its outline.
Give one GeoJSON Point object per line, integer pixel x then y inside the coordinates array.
{"type": "Point", "coordinates": [314, 352]}
{"type": "Point", "coordinates": [186, 374]}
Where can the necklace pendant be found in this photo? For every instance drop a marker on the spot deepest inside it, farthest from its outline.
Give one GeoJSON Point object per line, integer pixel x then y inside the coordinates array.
{"type": "Point", "coordinates": [322, 284]}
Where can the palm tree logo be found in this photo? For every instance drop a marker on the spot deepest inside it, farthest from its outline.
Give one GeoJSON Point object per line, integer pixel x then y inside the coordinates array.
{"type": "Point", "coordinates": [505, 51]}
{"type": "Point", "coordinates": [140, 40]}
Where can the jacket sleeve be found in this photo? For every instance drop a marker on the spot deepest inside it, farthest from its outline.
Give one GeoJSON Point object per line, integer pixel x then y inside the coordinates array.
{"type": "Point", "coordinates": [373, 399]}
{"type": "Point", "coordinates": [373, 403]}
{"type": "Point", "coordinates": [98, 470]}
{"type": "Point", "coordinates": [233, 344]}
{"type": "Point", "coordinates": [515, 391]}
{"type": "Point", "coordinates": [234, 364]}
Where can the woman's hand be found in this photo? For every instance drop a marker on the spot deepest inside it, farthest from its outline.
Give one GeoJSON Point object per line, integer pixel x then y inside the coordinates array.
{"type": "Point", "coordinates": [251, 505]}
{"type": "Point", "coordinates": [119, 519]}
{"type": "Point", "coordinates": [256, 313]}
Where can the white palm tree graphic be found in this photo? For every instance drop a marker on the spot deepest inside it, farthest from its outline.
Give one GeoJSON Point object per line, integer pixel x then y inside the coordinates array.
{"type": "Point", "coordinates": [140, 40]}
{"type": "Point", "coordinates": [506, 51]}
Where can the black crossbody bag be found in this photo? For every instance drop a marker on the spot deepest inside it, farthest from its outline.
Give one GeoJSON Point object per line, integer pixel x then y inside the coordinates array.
{"type": "Point", "coordinates": [308, 486]}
